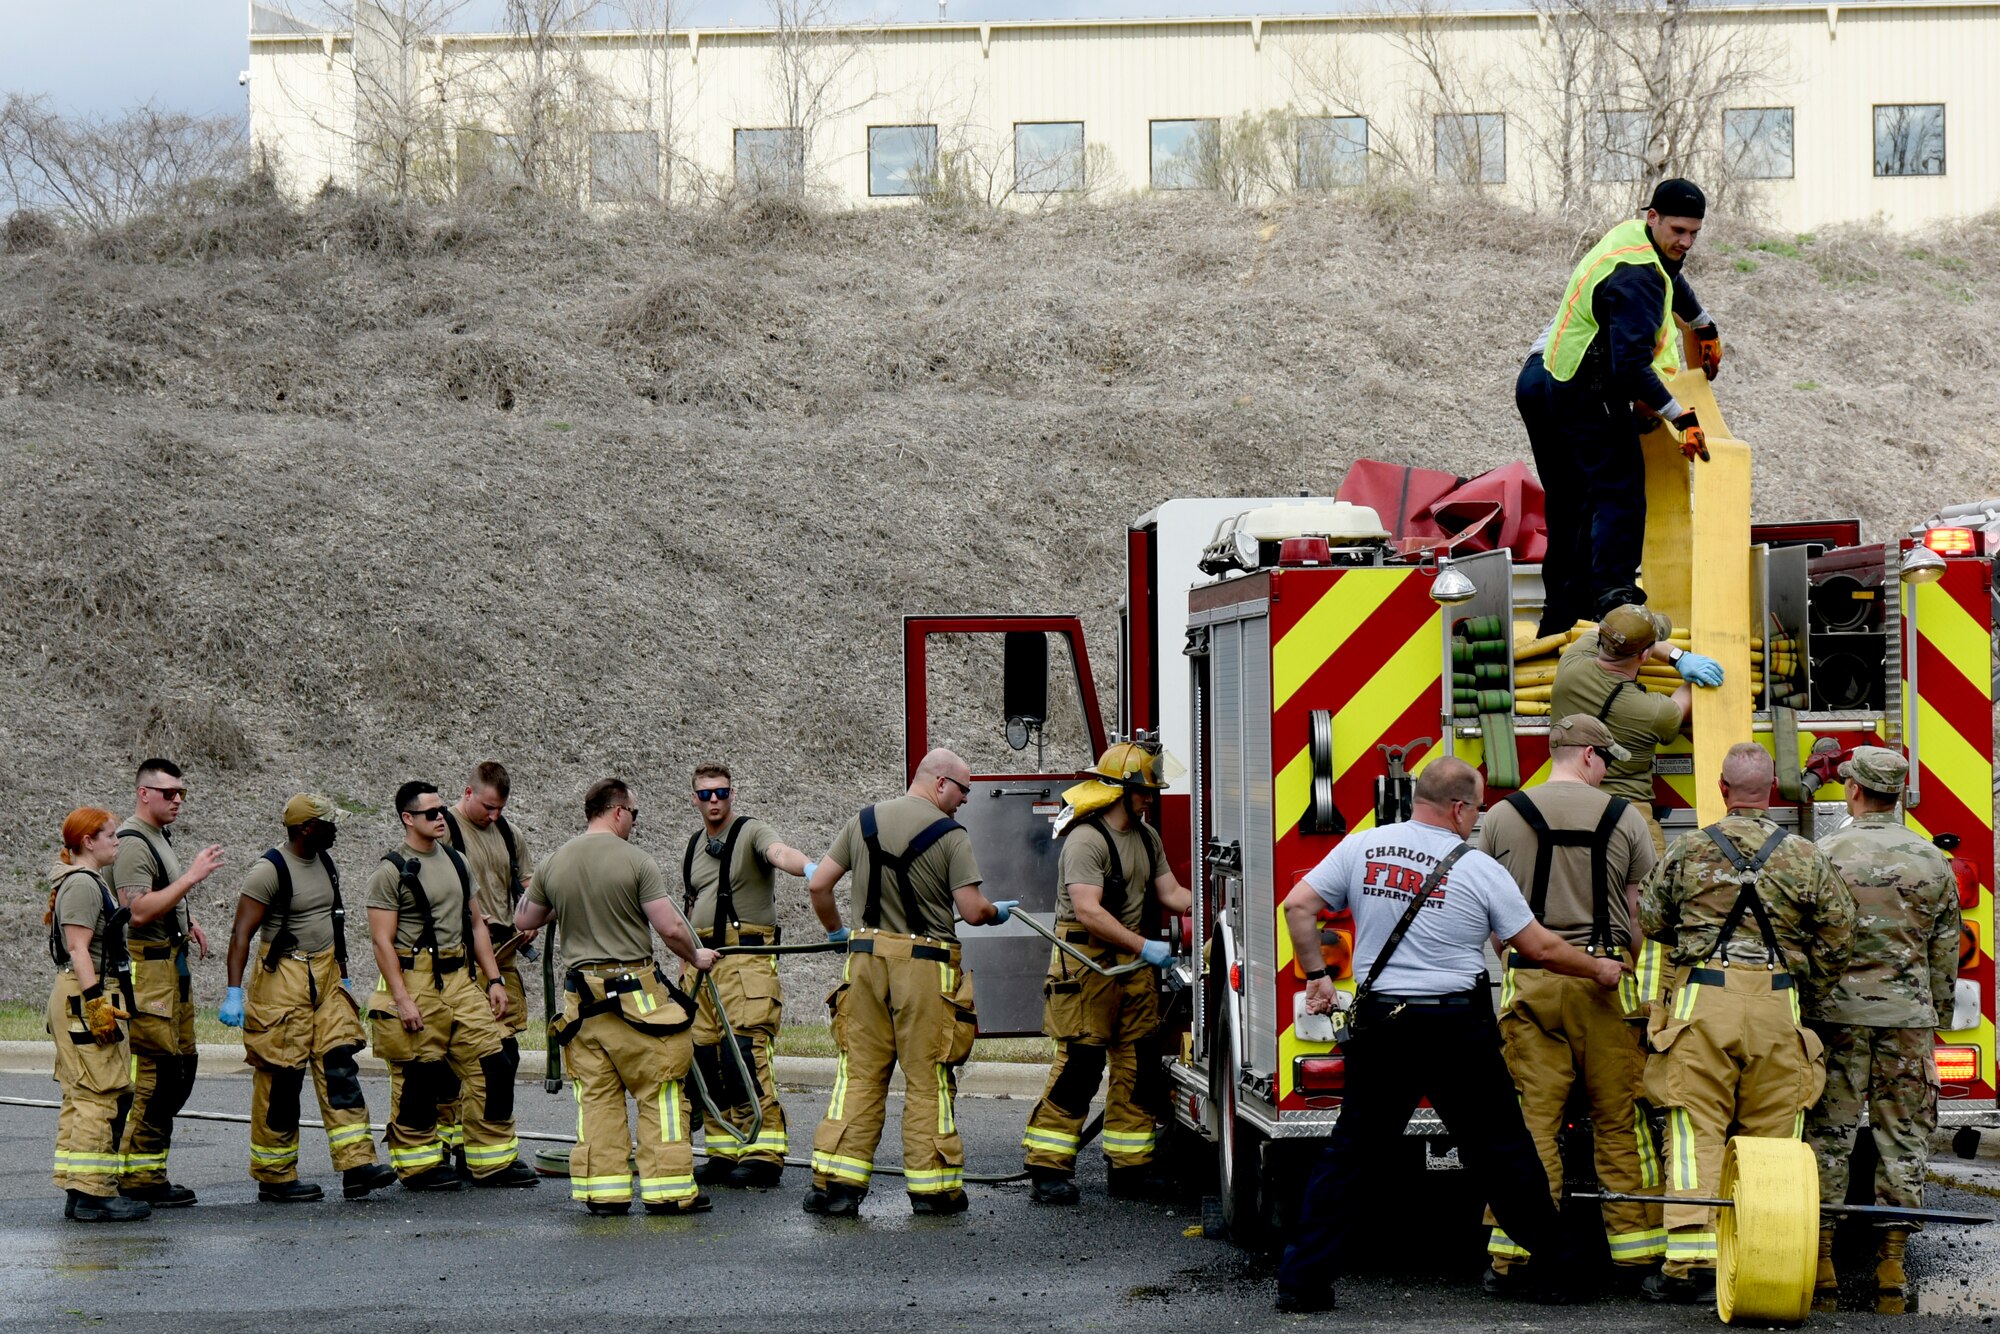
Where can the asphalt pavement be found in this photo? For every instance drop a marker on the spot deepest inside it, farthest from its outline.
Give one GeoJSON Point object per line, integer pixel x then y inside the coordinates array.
{"type": "Point", "coordinates": [533, 1260]}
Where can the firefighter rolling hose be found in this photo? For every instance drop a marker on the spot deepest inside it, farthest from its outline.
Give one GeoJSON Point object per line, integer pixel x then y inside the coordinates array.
{"type": "Point", "coordinates": [1759, 926]}
{"type": "Point", "coordinates": [1112, 882]}
{"type": "Point", "coordinates": [624, 1022]}
{"type": "Point", "coordinates": [903, 997]}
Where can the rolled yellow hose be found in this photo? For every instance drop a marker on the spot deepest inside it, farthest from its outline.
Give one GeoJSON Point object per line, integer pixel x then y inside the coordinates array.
{"type": "Point", "coordinates": [1767, 1245]}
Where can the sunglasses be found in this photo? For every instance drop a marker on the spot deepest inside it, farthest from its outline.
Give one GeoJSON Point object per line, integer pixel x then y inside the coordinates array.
{"type": "Point", "coordinates": [632, 811]}
{"type": "Point", "coordinates": [955, 783]}
{"type": "Point", "coordinates": [711, 794]}
{"type": "Point", "coordinates": [1602, 754]}
{"type": "Point", "coordinates": [427, 813]}
{"type": "Point", "coordinates": [167, 793]}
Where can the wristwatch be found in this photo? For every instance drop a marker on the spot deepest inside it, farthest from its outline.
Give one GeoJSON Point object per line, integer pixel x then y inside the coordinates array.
{"type": "Point", "coordinates": [1316, 974]}
{"type": "Point", "coordinates": [493, 982]}
{"type": "Point", "coordinates": [1674, 653]}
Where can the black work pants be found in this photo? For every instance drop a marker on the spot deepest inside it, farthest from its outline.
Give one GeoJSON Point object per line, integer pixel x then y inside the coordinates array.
{"type": "Point", "coordinates": [1449, 1055]}
{"type": "Point", "coordinates": [1594, 475]}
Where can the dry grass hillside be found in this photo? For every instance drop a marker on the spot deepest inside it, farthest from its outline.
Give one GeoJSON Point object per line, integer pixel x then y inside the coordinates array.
{"type": "Point", "coordinates": [331, 498]}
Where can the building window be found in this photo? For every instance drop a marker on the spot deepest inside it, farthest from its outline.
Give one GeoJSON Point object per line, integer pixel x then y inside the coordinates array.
{"type": "Point", "coordinates": [1757, 141]}
{"type": "Point", "coordinates": [1185, 153]}
{"type": "Point", "coordinates": [1624, 147]}
{"type": "Point", "coordinates": [902, 159]}
{"type": "Point", "coordinates": [1333, 150]}
{"type": "Point", "coordinates": [1909, 140]}
{"type": "Point", "coordinates": [771, 161]}
{"type": "Point", "coordinates": [1472, 149]}
{"type": "Point", "coordinates": [1048, 156]}
{"type": "Point", "coordinates": [624, 167]}
{"type": "Point", "coordinates": [486, 159]}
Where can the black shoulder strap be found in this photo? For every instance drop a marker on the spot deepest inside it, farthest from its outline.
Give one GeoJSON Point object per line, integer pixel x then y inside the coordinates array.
{"type": "Point", "coordinates": [339, 912]}
{"type": "Point", "coordinates": [687, 869]}
{"type": "Point", "coordinates": [160, 880]}
{"type": "Point", "coordinates": [1114, 875]}
{"type": "Point", "coordinates": [112, 917]}
{"type": "Point", "coordinates": [513, 860]}
{"type": "Point", "coordinates": [1409, 917]}
{"type": "Point", "coordinates": [1598, 840]}
{"type": "Point", "coordinates": [725, 896]}
{"type": "Point", "coordinates": [1545, 851]}
{"type": "Point", "coordinates": [871, 909]}
{"type": "Point", "coordinates": [283, 939]}
{"type": "Point", "coordinates": [1610, 699]}
{"type": "Point", "coordinates": [465, 901]}
{"type": "Point", "coordinates": [452, 831]}
{"type": "Point", "coordinates": [410, 880]}
{"type": "Point", "coordinates": [879, 861]}
{"type": "Point", "coordinates": [1600, 877]}
{"type": "Point", "coordinates": [1748, 871]}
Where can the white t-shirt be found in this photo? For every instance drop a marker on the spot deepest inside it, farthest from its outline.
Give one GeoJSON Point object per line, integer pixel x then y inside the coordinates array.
{"type": "Point", "coordinates": [1375, 874]}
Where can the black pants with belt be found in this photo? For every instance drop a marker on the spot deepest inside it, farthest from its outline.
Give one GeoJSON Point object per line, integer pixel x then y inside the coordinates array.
{"type": "Point", "coordinates": [1594, 474]}
{"type": "Point", "coordinates": [1449, 1055]}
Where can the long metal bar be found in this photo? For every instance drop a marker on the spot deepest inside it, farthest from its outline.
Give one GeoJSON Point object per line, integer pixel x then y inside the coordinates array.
{"type": "Point", "coordinates": [1837, 1210]}
{"type": "Point", "coordinates": [1115, 970]}
{"type": "Point", "coordinates": [810, 947]}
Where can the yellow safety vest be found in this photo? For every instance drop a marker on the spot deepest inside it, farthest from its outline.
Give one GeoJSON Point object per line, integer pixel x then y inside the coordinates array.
{"type": "Point", "coordinates": [1576, 323]}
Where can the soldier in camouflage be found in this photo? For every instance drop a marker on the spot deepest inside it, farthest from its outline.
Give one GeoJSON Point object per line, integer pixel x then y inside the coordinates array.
{"type": "Point", "coordinates": [1758, 925]}
{"type": "Point", "coordinates": [1878, 1021]}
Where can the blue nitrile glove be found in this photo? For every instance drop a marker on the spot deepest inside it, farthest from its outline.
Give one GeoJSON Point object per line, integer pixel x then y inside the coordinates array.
{"type": "Point", "coordinates": [1699, 668]}
{"type": "Point", "coordinates": [348, 983]}
{"type": "Point", "coordinates": [1002, 908]}
{"type": "Point", "coordinates": [231, 1012]}
{"type": "Point", "coordinates": [1157, 953]}
{"type": "Point", "coordinates": [839, 935]}
{"type": "Point", "coordinates": [807, 874]}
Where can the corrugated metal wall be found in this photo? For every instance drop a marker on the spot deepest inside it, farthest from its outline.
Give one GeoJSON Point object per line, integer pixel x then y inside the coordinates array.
{"type": "Point", "coordinates": [1830, 64]}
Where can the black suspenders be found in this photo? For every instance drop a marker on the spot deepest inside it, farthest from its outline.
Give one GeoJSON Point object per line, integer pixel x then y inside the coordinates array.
{"type": "Point", "coordinates": [1747, 873]}
{"type": "Point", "coordinates": [1598, 840]}
{"type": "Point", "coordinates": [725, 899]}
{"type": "Point", "coordinates": [880, 861]}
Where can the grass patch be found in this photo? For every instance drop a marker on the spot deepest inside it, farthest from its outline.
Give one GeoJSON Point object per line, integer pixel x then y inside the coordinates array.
{"type": "Point", "coordinates": [21, 1021]}
{"type": "Point", "coordinates": [1806, 386]}
{"type": "Point", "coordinates": [1773, 246]}
{"type": "Point", "coordinates": [1746, 266]}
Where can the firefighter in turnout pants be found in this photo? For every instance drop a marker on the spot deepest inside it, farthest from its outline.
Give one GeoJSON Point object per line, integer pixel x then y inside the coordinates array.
{"type": "Point", "coordinates": [93, 993]}
{"type": "Point", "coordinates": [1579, 856]}
{"type": "Point", "coordinates": [430, 1020]}
{"type": "Point", "coordinates": [1878, 1023]}
{"type": "Point", "coordinates": [903, 999]}
{"type": "Point", "coordinates": [726, 876]}
{"type": "Point", "coordinates": [148, 879]}
{"type": "Point", "coordinates": [1758, 925]}
{"type": "Point", "coordinates": [624, 1024]}
{"type": "Point", "coordinates": [1113, 874]}
{"type": "Point", "coordinates": [300, 1015]}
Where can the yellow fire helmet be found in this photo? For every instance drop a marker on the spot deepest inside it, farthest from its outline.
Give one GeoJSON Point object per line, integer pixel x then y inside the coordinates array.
{"type": "Point", "coordinates": [1126, 766]}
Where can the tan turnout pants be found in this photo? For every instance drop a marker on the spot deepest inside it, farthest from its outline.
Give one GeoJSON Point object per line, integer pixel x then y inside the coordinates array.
{"type": "Point", "coordinates": [1558, 1031]}
{"type": "Point", "coordinates": [460, 1041]}
{"type": "Point", "coordinates": [903, 999]}
{"type": "Point", "coordinates": [1729, 1058]}
{"type": "Point", "coordinates": [609, 1060]}
{"type": "Point", "coordinates": [1098, 1023]}
{"type": "Point", "coordinates": [96, 1080]}
{"type": "Point", "coordinates": [754, 1001]}
{"type": "Point", "coordinates": [164, 1059]}
{"type": "Point", "coordinates": [298, 1020]}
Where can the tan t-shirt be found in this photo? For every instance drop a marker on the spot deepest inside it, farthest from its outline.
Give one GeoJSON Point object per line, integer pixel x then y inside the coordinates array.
{"type": "Point", "coordinates": [142, 864]}
{"type": "Point", "coordinates": [751, 881]}
{"type": "Point", "coordinates": [945, 866]}
{"type": "Point", "coordinates": [1639, 719]}
{"type": "Point", "coordinates": [486, 857]}
{"type": "Point", "coordinates": [1506, 837]}
{"type": "Point", "coordinates": [1086, 860]}
{"type": "Point", "coordinates": [311, 914]}
{"type": "Point", "coordinates": [79, 902]}
{"type": "Point", "coordinates": [597, 885]}
{"type": "Point", "coordinates": [441, 886]}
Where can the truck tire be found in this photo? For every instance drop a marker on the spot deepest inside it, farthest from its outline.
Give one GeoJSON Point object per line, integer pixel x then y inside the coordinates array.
{"type": "Point", "coordinates": [1238, 1150]}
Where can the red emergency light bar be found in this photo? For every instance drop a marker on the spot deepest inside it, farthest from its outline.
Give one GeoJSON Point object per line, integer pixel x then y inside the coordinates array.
{"type": "Point", "coordinates": [1957, 1065]}
{"type": "Point", "coordinates": [1322, 1074]}
{"type": "Point", "coordinates": [1952, 541]}
{"type": "Point", "coordinates": [1305, 551]}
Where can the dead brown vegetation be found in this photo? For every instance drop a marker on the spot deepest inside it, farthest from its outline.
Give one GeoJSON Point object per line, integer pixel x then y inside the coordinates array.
{"type": "Point", "coordinates": [332, 496]}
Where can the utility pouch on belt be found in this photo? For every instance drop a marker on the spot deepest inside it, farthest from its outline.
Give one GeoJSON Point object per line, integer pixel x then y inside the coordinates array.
{"type": "Point", "coordinates": [644, 999]}
{"type": "Point", "coordinates": [1346, 1023]}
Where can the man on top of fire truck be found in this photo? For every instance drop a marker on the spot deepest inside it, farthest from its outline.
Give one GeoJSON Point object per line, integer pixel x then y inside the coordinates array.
{"type": "Point", "coordinates": [1114, 879]}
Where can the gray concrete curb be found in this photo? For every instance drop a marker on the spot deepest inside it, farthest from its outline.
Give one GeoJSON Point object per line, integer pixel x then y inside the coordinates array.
{"type": "Point", "coordinates": [978, 1079]}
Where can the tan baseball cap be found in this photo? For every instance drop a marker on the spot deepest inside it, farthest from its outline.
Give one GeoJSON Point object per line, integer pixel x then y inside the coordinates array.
{"type": "Point", "coordinates": [310, 806]}
{"type": "Point", "coordinates": [1580, 729]}
{"type": "Point", "coordinates": [1876, 768]}
{"type": "Point", "coordinates": [1631, 629]}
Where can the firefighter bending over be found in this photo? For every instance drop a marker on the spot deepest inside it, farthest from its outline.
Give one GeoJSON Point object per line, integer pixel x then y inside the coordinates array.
{"type": "Point", "coordinates": [1114, 879]}
{"type": "Point", "coordinates": [1729, 1052]}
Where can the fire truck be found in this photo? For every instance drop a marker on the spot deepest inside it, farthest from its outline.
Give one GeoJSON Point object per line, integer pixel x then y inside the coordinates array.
{"type": "Point", "coordinates": [1304, 667]}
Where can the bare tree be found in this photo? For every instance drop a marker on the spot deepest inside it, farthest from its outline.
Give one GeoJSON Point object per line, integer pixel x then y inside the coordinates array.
{"type": "Point", "coordinates": [97, 171]}
{"type": "Point", "coordinates": [813, 66]}
{"type": "Point", "coordinates": [544, 97]}
{"type": "Point", "coordinates": [653, 23]}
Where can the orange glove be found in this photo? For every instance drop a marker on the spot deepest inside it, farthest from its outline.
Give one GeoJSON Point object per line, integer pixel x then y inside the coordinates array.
{"type": "Point", "coordinates": [1693, 443]}
{"type": "Point", "coordinates": [102, 1014]}
{"type": "Point", "coordinates": [1709, 341]}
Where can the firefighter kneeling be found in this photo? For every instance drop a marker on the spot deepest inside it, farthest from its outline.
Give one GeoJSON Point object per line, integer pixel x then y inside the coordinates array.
{"type": "Point", "coordinates": [1104, 909]}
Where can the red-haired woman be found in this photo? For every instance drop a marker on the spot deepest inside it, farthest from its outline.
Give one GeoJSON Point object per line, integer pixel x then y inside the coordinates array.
{"type": "Point", "coordinates": [93, 993]}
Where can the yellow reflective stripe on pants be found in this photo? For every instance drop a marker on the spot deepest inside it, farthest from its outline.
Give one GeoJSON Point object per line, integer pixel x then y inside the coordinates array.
{"type": "Point", "coordinates": [836, 1106]}
{"type": "Point", "coordinates": [1502, 1244]}
{"type": "Point", "coordinates": [1649, 1157]}
{"type": "Point", "coordinates": [947, 1118]}
{"type": "Point", "coordinates": [1506, 988]}
{"type": "Point", "coordinates": [600, 1188]}
{"type": "Point", "coordinates": [851, 1170]}
{"type": "Point", "coordinates": [1691, 1246]}
{"type": "Point", "coordinates": [937, 1181]}
{"type": "Point", "coordinates": [340, 1135]}
{"type": "Point", "coordinates": [1684, 1000]}
{"type": "Point", "coordinates": [1627, 1247]}
{"type": "Point", "coordinates": [143, 1162]}
{"type": "Point", "coordinates": [654, 1190]}
{"type": "Point", "coordinates": [451, 1133]}
{"type": "Point", "coordinates": [1124, 1143]}
{"type": "Point", "coordinates": [1687, 1173]}
{"type": "Point", "coordinates": [1646, 973]}
{"type": "Point", "coordinates": [424, 1155]}
{"type": "Point", "coordinates": [1040, 1137]}
{"type": "Point", "coordinates": [87, 1162]}
{"type": "Point", "coordinates": [492, 1155]}
{"type": "Point", "coordinates": [262, 1154]}
{"type": "Point", "coordinates": [670, 1110]}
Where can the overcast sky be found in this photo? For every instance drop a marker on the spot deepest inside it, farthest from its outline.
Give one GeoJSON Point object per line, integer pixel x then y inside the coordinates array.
{"type": "Point", "coordinates": [105, 55]}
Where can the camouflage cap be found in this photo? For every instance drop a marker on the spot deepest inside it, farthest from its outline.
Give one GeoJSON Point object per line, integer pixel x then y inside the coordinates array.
{"type": "Point", "coordinates": [1630, 630]}
{"type": "Point", "coordinates": [1580, 729]}
{"type": "Point", "coordinates": [310, 806]}
{"type": "Point", "coordinates": [1876, 768]}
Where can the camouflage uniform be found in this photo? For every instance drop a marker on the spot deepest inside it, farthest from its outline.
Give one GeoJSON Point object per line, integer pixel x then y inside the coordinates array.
{"type": "Point", "coordinates": [1728, 1052]}
{"type": "Point", "coordinates": [1878, 1020]}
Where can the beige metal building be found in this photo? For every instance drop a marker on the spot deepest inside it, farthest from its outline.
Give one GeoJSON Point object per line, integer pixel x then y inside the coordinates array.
{"type": "Point", "coordinates": [1806, 114]}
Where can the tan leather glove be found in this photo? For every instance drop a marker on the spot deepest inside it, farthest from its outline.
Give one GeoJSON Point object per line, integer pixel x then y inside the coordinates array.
{"type": "Point", "coordinates": [102, 1013]}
